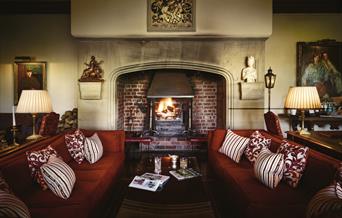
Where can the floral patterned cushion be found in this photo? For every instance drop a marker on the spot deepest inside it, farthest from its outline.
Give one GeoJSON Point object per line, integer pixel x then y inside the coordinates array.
{"type": "Point", "coordinates": [295, 157]}
{"type": "Point", "coordinates": [36, 159]}
{"type": "Point", "coordinates": [256, 143]}
{"type": "Point", "coordinates": [75, 145]}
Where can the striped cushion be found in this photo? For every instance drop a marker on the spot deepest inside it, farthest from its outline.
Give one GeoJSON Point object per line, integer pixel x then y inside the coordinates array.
{"type": "Point", "coordinates": [268, 167]}
{"type": "Point", "coordinates": [93, 148]}
{"type": "Point", "coordinates": [325, 204]}
{"type": "Point", "coordinates": [11, 206]}
{"type": "Point", "coordinates": [339, 190]}
{"type": "Point", "coordinates": [3, 185]}
{"type": "Point", "coordinates": [36, 159]}
{"type": "Point", "coordinates": [339, 182]}
{"type": "Point", "coordinates": [59, 177]}
{"type": "Point", "coordinates": [233, 146]}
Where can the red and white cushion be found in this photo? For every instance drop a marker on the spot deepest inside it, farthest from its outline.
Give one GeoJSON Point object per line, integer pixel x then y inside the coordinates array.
{"type": "Point", "coordinates": [59, 177]}
{"type": "Point", "coordinates": [233, 146]}
{"type": "Point", "coordinates": [268, 168]}
{"type": "Point", "coordinates": [93, 148]}
{"type": "Point", "coordinates": [256, 142]}
{"type": "Point", "coordinates": [325, 204]}
{"type": "Point", "coordinates": [295, 158]}
{"type": "Point", "coordinates": [75, 145]}
{"type": "Point", "coordinates": [36, 159]}
{"type": "Point", "coordinates": [11, 206]}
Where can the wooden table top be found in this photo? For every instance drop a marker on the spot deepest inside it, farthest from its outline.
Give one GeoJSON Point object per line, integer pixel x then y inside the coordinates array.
{"type": "Point", "coordinates": [329, 142]}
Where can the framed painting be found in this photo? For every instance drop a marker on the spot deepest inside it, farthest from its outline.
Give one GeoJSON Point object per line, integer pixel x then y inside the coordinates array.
{"type": "Point", "coordinates": [28, 75]}
{"type": "Point", "coordinates": [320, 64]}
{"type": "Point", "coordinates": [171, 16]}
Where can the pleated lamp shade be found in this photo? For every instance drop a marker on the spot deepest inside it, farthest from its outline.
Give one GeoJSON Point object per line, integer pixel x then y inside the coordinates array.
{"type": "Point", "coordinates": [303, 97]}
{"type": "Point", "coordinates": [34, 101]}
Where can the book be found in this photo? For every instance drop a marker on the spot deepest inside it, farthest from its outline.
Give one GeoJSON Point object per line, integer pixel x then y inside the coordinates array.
{"type": "Point", "coordinates": [182, 174]}
{"type": "Point", "coordinates": [152, 176]}
{"type": "Point", "coordinates": [144, 183]}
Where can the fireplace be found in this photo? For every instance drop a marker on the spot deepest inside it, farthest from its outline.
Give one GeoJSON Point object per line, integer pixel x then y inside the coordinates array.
{"type": "Point", "coordinates": [171, 102]}
{"type": "Point", "coordinates": [170, 95]}
{"type": "Point", "coordinates": [171, 116]}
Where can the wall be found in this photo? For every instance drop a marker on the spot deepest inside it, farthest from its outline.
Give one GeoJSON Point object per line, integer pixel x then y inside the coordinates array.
{"type": "Point", "coordinates": [128, 18]}
{"type": "Point", "coordinates": [280, 49]}
{"type": "Point", "coordinates": [225, 57]}
{"type": "Point", "coordinates": [46, 38]}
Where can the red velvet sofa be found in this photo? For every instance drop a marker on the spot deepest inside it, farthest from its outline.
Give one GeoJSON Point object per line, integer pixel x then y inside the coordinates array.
{"type": "Point", "coordinates": [94, 182]}
{"type": "Point", "coordinates": [246, 197]}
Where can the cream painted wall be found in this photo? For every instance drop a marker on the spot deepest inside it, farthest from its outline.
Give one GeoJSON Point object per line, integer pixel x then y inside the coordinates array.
{"type": "Point", "coordinates": [128, 18]}
{"type": "Point", "coordinates": [47, 38]}
{"type": "Point", "coordinates": [281, 47]}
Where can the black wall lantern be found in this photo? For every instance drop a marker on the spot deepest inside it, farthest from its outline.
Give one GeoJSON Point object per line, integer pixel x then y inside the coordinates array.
{"type": "Point", "coordinates": [270, 78]}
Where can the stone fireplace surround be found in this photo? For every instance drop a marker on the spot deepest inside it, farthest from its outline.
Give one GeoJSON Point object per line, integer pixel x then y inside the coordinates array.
{"type": "Point", "coordinates": [224, 57]}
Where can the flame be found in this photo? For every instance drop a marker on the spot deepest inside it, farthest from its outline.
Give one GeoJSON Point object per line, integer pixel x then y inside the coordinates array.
{"type": "Point", "coordinates": [164, 104]}
{"type": "Point", "coordinates": [165, 107]}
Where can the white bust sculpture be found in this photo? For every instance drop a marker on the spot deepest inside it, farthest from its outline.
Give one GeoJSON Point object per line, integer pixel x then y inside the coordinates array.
{"type": "Point", "coordinates": [249, 73]}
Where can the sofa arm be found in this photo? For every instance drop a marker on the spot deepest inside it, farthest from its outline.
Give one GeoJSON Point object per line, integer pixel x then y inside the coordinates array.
{"type": "Point", "coordinates": [112, 140]}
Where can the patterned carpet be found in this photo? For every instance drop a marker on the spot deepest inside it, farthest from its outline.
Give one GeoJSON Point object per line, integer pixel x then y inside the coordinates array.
{"type": "Point", "coordinates": [131, 208]}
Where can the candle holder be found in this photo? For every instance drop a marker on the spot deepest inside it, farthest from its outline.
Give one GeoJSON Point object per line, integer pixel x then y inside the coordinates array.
{"type": "Point", "coordinates": [14, 130]}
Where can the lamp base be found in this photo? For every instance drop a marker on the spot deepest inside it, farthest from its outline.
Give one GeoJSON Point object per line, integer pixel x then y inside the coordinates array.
{"type": "Point", "coordinates": [304, 132]}
{"type": "Point", "coordinates": [33, 137]}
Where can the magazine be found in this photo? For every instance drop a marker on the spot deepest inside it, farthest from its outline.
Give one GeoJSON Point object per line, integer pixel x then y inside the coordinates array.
{"type": "Point", "coordinates": [152, 176]}
{"type": "Point", "coordinates": [145, 184]}
{"type": "Point", "coordinates": [182, 174]}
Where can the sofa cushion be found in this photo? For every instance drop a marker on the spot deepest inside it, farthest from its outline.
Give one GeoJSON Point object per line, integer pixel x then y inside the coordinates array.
{"type": "Point", "coordinates": [59, 177]}
{"type": "Point", "coordinates": [256, 142]}
{"type": "Point", "coordinates": [234, 145]}
{"type": "Point", "coordinates": [295, 157]}
{"type": "Point", "coordinates": [269, 167]}
{"type": "Point", "coordinates": [36, 159]}
{"type": "Point", "coordinates": [3, 184]}
{"type": "Point", "coordinates": [11, 206]}
{"type": "Point", "coordinates": [93, 148]}
{"type": "Point", "coordinates": [75, 145]}
{"type": "Point", "coordinates": [325, 204]}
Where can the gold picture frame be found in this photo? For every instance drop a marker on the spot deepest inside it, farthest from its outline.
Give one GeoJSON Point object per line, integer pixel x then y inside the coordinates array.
{"type": "Point", "coordinates": [171, 16]}
{"type": "Point", "coordinates": [28, 75]}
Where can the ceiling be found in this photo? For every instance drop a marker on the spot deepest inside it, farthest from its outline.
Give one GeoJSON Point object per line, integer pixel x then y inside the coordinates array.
{"type": "Point", "coordinates": [63, 6]}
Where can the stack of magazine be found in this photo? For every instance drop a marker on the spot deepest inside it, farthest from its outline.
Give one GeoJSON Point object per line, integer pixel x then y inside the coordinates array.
{"type": "Point", "coordinates": [182, 174]}
{"type": "Point", "coordinates": [149, 182]}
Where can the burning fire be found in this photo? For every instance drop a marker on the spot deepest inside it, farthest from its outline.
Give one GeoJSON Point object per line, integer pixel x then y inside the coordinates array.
{"type": "Point", "coordinates": [166, 108]}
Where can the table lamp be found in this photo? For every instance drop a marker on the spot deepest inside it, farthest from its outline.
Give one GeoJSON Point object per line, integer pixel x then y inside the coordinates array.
{"type": "Point", "coordinates": [303, 98]}
{"type": "Point", "coordinates": [34, 101]}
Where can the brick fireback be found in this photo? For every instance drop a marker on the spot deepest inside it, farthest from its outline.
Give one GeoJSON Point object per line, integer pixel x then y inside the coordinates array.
{"type": "Point", "coordinates": [132, 102]}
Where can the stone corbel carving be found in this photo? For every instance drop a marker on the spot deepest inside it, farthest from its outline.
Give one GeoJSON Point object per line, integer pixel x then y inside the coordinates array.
{"type": "Point", "coordinates": [91, 80]}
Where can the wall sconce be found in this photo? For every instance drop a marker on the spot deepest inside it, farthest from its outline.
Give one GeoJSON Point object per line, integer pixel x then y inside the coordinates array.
{"type": "Point", "coordinates": [303, 98]}
{"type": "Point", "coordinates": [270, 78]}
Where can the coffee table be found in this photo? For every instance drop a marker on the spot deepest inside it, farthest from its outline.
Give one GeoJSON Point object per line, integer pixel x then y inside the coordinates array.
{"type": "Point", "coordinates": [185, 198]}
